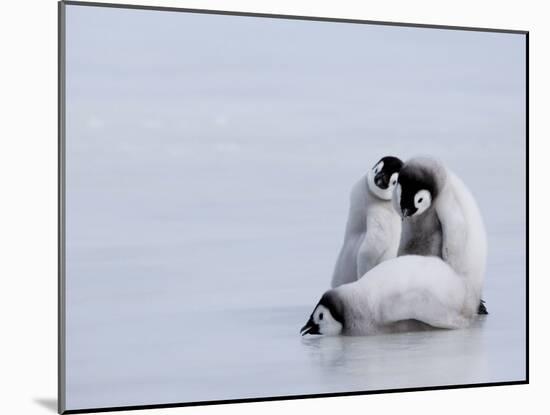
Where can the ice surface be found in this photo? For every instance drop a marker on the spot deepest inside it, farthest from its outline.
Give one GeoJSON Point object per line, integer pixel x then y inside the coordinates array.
{"type": "Point", "coordinates": [209, 164]}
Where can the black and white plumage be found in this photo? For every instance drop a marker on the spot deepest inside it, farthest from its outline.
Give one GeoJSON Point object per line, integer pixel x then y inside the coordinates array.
{"type": "Point", "coordinates": [373, 227]}
{"type": "Point", "coordinates": [406, 293]}
{"type": "Point", "coordinates": [441, 218]}
{"type": "Point", "coordinates": [440, 288]}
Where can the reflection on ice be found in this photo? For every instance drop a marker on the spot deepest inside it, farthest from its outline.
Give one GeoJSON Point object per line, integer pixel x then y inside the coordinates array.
{"type": "Point", "coordinates": [424, 358]}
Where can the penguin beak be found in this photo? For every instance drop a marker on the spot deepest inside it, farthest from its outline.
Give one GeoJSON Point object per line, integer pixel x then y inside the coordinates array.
{"type": "Point", "coordinates": [310, 328]}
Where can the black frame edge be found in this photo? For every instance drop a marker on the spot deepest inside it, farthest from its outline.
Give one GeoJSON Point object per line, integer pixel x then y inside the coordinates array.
{"type": "Point", "coordinates": [290, 397]}
{"type": "Point", "coordinates": [61, 404]}
{"type": "Point", "coordinates": [527, 207]}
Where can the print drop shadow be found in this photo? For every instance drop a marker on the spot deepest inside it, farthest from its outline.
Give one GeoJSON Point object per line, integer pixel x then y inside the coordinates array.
{"type": "Point", "coordinates": [48, 403]}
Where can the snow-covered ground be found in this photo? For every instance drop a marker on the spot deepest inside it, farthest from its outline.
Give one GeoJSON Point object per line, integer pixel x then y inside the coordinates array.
{"type": "Point", "coordinates": [209, 161]}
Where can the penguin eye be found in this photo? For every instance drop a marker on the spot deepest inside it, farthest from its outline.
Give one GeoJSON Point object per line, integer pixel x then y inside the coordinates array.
{"type": "Point", "coordinates": [420, 200]}
{"type": "Point", "coordinates": [320, 316]}
{"type": "Point", "coordinates": [393, 182]}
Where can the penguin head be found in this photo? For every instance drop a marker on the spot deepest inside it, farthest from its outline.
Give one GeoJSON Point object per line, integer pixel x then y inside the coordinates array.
{"type": "Point", "coordinates": [327, 317]}
{"type": "Point", "coordinates": [382, 178]}
{"type": "Point", "coordinates": [416, 188]}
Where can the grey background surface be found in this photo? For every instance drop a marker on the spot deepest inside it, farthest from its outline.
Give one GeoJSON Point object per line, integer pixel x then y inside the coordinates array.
{"type": "Point", "coordinates": [209, 161]}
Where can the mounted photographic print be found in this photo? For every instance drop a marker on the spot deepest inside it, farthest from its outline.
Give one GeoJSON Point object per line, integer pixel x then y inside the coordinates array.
{"type": "Point", "coordinates": [258, 207]}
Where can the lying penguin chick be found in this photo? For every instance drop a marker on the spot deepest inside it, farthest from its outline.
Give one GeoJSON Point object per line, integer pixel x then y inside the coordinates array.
{"type": "Point", "coordinates": [417, 290]}
{"type": "Point", "coordinates": [373, 227]}
{"type": "Point", "coordinates": [441, 218]}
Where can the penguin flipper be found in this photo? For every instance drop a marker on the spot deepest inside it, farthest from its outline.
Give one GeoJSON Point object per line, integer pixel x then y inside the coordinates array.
{"type": "Point", "coordinates": [453, 224]}
{"type": "Point", "coordinates": [482, 309]}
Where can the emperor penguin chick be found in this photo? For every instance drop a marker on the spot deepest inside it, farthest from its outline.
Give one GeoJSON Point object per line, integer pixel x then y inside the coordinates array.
{"type": "Point", "coordinates": [441, 218]}
{"type": "Point", "coordinates": [373, 228]}
{"type": "Point", "coordinates": [406, 293]}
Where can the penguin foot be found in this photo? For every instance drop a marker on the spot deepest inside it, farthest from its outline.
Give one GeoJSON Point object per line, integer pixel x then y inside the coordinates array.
{"type": "Point", "coordinates": [482, 309]}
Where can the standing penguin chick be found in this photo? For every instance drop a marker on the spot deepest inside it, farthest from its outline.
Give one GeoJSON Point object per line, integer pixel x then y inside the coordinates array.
{"type": "Point", "coordinates": [441, 218]}
{"type": "Point", "coordinates": [405, 293]}
{"type": "Point", "coordinates": [373, 227]}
